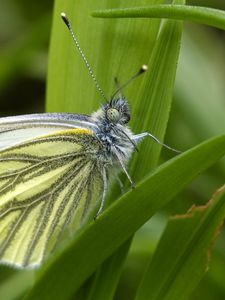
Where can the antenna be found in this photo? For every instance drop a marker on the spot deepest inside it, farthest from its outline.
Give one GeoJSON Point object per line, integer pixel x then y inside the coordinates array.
{"type": "Point", "coordinates": [143, 69]}
{"type": "Point", "coordinates": [67, 22]}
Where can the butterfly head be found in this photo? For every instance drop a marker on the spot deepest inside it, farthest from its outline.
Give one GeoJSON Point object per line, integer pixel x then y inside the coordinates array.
{"type": "Point", "coordinates": [117, 111]}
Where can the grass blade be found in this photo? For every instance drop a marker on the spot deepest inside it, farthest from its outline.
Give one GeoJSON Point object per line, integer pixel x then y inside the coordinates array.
{"type": "Point", "coordinates": [108, 275]}
{"type": "Point", "coordinates": [174, 274]}
{"type": "Point", "coordinates": [202, 15]}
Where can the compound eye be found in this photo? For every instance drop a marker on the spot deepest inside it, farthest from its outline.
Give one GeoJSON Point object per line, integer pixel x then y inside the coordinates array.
{"type": "Point", "coordinates": [113, 115]}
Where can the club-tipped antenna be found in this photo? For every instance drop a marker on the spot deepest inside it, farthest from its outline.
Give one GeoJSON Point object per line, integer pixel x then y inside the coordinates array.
{"type": "Point", "coordinates": [142, 70]}
{"type": "Point", "coordinates": [67, 22]}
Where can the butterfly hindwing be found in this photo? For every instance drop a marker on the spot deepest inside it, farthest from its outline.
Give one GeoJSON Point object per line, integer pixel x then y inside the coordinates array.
{"type": "Point", "coordinates": [46, 184]}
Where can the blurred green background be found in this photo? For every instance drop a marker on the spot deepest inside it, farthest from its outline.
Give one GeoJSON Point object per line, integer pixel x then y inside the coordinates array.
{"type": "Point", "coordinates": [198, 113]}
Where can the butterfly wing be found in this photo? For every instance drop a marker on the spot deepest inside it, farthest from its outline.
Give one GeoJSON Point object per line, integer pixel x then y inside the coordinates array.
{"type": "Point", "coordinates": [46, 184]}
{"type": "Point", "coordinates": [14, 130]}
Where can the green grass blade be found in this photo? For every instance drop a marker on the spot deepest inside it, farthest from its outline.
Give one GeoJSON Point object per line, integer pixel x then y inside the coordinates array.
{"type": "Point", "coordinates": [99, 239]}
{"type": "Point", "coordinates": [108, 275]}
{"type": "Point", "coordinates": [157, 95]}
{"type": "Point", "coordinates": [202, 15]}
{"type": "Point", "coordinates": [174, 274]}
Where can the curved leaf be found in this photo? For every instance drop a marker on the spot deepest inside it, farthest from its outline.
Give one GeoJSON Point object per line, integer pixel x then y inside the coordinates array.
{"type": "Point", "coordinates": [202, 15]}
{"type": "Point", "coordinates": [173, 275]}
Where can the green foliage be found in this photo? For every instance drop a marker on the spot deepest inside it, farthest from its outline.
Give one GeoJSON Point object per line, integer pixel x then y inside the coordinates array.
{"type": "Point", "coordinates": [99, 239]}
{"type": "Point", "coordinates": [89, 265]}
{"type": "Point", "coordinates": [202, 15]}
{"type": "Point", "coordinates": [175, 275]}
{"type": "Point", "coordinates": [155, 92]}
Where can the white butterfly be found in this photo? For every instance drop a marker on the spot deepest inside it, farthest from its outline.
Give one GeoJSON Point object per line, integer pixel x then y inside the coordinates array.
{"type": "Point", "coordinates": [54, 171]}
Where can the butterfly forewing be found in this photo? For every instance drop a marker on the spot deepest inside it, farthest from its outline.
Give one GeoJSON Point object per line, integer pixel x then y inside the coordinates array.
{"type": "Point", "coordinates": [14, 130]}
{"type": "Point", "coordinates": [46, 184]}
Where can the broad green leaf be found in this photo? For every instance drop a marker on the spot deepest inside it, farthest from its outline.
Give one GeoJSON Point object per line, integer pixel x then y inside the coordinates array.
{"type": "Point", "coordinates": [173, 274]}
{"type": "Point", "coordinates": [71, 266]}
{"type": "Point", "coordinates": [203, 15]}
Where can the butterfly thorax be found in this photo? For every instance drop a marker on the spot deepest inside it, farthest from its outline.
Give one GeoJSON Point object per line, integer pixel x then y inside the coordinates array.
{"type": "Point", "coordinates": [113, 133]}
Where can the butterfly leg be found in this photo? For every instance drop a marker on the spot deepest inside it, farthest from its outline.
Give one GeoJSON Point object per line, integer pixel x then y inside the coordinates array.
{"type": "Point", "coordinates": [123, 166]}
{"type": "Point", "coordinates": [139, 137]}
{"type": "Point", "coordinates": [105, 185]}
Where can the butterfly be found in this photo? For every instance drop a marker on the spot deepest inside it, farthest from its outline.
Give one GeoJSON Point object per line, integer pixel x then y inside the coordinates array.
{"type": "Point", "coordinates": [54, 172]}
